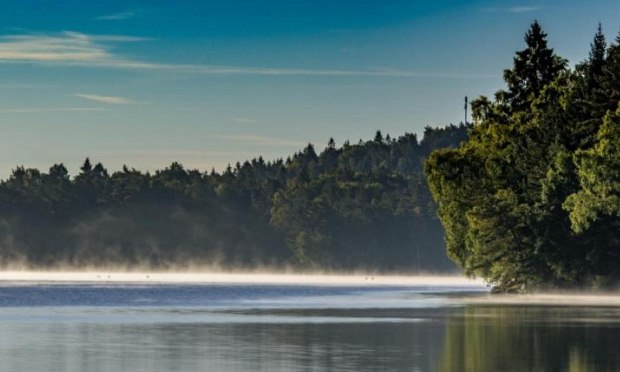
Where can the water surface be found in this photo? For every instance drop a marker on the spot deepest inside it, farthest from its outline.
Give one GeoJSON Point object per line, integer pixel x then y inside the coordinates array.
{"type": "Point", "coordinates": [296, 327]}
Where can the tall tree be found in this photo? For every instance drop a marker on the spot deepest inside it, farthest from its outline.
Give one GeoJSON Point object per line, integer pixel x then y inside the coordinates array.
{"type": "Point", "coordinates": [533, 68]}
{"type": "Point", "coordinates": [596, 59]}
{"type": "Point", "coordinates": [501, 194]}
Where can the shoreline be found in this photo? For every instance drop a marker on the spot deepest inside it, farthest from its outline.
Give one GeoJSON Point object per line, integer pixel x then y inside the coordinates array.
{"type": "Point", "coordinates": [572, 299]}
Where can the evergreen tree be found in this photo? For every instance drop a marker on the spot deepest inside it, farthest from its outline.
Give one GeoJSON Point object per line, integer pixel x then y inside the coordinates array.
{"type": "Point", "coordinates": [86, 167]}
{"type": "Point", "coordinates": [597, 59]}
{"type": "Point", "coordinates": [610, 81]}
{"type": "Point", "coordinates": [357, 206]}
{"type": "Point", "coordinates": [529, 200]}
{"type": "Point", "coordinates": [533, 68]}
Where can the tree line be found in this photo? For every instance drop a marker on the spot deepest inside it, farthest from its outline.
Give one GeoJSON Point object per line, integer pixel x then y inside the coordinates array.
{"type": "Point", "coordinates": [358, 206]}
{"type": "Point", "coordinates": [532, 198]}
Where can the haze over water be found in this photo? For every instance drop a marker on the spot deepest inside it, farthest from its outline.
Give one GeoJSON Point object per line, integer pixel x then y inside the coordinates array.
{"type": "Point", "coordinates": [250, 322]}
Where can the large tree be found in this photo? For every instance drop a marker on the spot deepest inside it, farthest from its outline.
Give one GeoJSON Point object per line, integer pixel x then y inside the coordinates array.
{"type": "Point", "coordinates": [502, 195]}
{"type": "Point", "coordinates": [533, 68]}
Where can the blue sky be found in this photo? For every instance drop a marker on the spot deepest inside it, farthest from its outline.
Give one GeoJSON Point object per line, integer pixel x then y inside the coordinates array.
{"type": "Point", "coordinates": [207, 83]}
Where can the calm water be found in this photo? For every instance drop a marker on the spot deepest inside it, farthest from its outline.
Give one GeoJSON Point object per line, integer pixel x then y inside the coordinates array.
{"type": "Point", "coordinates": [87, 327]}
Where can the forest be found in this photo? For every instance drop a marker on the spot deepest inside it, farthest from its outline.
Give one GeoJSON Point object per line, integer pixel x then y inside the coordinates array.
{"type": "Point", "coordinates": [532, 198]}
{"type": "Point", "coordinates": [362, 206]}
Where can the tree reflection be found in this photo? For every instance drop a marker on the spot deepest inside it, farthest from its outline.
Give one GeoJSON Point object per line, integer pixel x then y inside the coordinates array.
{"type": "Point", "coordinates": [525, 338]}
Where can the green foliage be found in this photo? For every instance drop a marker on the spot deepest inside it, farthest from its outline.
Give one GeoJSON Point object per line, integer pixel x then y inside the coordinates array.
{"type": "Point", "coordinates": [362, 206]}
{"type": "Point", "coordinates": [534, 68]}
{"type": "Point", "coordinates": [533, 197]}
{"type": "Point", "coordinates": [599, 175]}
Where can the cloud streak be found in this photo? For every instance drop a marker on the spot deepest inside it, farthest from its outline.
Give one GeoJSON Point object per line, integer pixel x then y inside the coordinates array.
{"type": "Point", "coordinates": [514, 9]}
{"type": "Point", "coordinates": [95, 51]}
{"type": "Point", "coordinates": [245, 120]}
{"type": "Point", "coordinates": [524, 9]}
{"type": "Point", "coordinates": [180, 153]}
{"type": "Point", "coordinates": [109, 100]}
{"type": "Point", "coordinates": [120, 16]}
{"type": "Point", "coordinates": [65, 47]}
{"type": "Point", "coordinates": [262, 140]}
{"type": "Point", "coordinates": [31, 110]}
{"type": "Point", "coordinates": [278, 71]}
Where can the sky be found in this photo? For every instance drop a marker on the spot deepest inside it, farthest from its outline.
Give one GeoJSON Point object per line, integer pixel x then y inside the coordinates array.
{"type": "Point", "coordinates": [207, 83]}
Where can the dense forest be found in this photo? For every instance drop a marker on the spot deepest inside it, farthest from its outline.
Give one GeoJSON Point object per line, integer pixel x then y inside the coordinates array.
{"type": "Point", "coordinates": [532, 199]}
{"type": "Point", "coordinates": [358, 206]}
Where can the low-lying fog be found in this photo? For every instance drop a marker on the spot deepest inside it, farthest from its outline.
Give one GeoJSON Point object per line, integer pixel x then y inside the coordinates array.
{"type": "Point", "coordinates": [461, 284]}
{"type": "Point", "coordinates": [240, 278]}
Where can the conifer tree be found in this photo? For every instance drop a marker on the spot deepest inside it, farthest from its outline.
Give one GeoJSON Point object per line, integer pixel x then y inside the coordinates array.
{"type": "Point", "coordinates": [533, 68]}
{"type": "Point", "coordinates": [86, 167]}
{"type": "Point", "coordinates": [597, 58]}
{"type": "Point", "coordinates": [610, 81]}
{"type": "Point", "coordinates": [532, 198]}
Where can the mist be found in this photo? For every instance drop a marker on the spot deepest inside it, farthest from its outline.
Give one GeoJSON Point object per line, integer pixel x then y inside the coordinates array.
{"type": "Point", "coordinates": [356, 207]}
{"type": "Point", "coordinates": [256, 277]}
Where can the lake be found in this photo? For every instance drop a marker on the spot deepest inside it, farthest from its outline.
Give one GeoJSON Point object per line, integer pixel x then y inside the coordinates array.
{"type": "Point", "coordinates": [368, 325]}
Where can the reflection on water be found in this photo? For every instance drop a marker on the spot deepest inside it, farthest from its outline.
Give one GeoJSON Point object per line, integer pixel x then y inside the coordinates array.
{"type": "Point", "coordinates": [295, 328]}
{"type": "Point", "coordinates": [532, 338]}
{"type": "Point", "coordinates": [246, 347]}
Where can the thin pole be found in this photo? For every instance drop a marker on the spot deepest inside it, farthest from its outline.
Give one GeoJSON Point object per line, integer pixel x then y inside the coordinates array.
{"type": "Point", "coordinates": [465, 110]}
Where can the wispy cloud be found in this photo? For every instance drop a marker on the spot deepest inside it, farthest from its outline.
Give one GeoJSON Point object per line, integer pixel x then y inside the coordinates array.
{"type": "Point", "coordinates": [95, 51]}
{"type": "Point", "coordinates": [524, 9]}
{"type": "Point", "coordinates": [24, 85]}
{"type": "Point", "coordinates": [245, 120]}
{"type": "Point", "coordinates": [64, 47]}
{"type": "Point", "coordinates": [181, 153]}
{"type": "Point", "coordinates": [31, 110]}
{"type": "Point", "coordinates": [262, 140]}
{"type": "Point", "coordinates": [275, 71]}
{"type": "Point", "coordinates": [120, 16]}
{"type": "Point", "coordinates": [514, 9]}
{"type": "Point", "coordinates": [110, 100]}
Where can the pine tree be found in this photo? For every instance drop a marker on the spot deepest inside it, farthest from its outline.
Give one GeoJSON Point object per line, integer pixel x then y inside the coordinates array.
{"type": "Point", "coordinates": [533, 68]}
{"type": "Point", "coordinates": [597, 58]}
{"type": "Point", "coordinates": [86, 167]}
{"type": "Point", "coordinates": [610, 81]}
{"type": "Point", "coordinates": [591, 102]}
{"type": "Point", "coordinates": [331, 144]}
{"type": "Point", "coordinates": [378, 137]}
